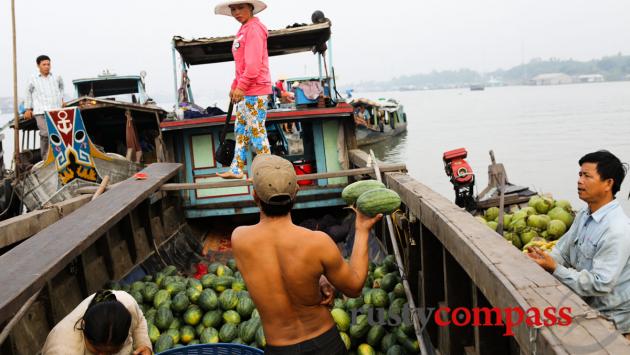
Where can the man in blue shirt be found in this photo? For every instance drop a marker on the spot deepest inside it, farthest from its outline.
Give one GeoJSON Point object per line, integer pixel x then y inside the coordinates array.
{"type": "Point", "coordinates": [592, 258]}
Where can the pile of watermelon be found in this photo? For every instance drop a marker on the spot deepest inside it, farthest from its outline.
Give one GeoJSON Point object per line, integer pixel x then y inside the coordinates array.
{"type": "Point", "coordinates": [213, 308]}
{"type": "Point", "coordinates": [385, 295]}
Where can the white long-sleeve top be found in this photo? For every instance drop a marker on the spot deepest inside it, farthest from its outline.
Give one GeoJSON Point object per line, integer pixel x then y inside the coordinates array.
{"type": "Point", "coordinates": [66, 339]}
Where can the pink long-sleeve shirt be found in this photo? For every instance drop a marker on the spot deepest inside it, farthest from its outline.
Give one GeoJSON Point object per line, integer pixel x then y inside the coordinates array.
{"type": "Point", "coordinates": [252, 60]}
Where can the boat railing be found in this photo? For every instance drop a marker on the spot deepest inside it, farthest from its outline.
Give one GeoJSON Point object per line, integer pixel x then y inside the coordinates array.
{"type": "Point", "coordinates": [451, 261]}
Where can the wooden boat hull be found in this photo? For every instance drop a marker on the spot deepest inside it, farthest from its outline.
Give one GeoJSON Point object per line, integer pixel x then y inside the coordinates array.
{"type": "Point", "coordinates": [41, 185]}
{"type": "Point", "coordinates": [367, 136]}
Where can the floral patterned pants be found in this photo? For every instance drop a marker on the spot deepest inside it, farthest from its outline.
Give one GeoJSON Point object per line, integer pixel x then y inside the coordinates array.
{"type": "Point", "coordinates": [249, 127]}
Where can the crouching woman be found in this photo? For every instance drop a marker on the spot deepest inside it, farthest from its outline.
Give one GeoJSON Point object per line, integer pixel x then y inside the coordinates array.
{"type": "Point", "coordinates": [106, 323]}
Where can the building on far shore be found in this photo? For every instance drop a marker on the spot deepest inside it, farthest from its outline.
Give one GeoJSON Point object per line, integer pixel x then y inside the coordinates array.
{"type": "Point", "coordinates": [551, 79]}
{"type": "Point", "coordinates": [590, 78]}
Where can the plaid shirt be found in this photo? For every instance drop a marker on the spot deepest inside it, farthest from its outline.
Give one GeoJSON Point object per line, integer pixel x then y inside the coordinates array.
{"type": "Point", "coordinates": [44, 93]}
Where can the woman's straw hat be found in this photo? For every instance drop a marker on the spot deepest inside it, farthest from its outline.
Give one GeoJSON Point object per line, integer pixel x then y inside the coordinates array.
{"type": "Point", "coordinates": [223, 8]}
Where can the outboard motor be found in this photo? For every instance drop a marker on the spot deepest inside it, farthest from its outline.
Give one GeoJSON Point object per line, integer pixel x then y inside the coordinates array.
{"type": "Point", "coordinates": [461, 176]}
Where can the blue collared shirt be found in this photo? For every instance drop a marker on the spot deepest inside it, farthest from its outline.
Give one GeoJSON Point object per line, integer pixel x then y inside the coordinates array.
{"type": "Point", "coordinates": [593, 260]}
{"type": "Point", "coordinates": [44, 93]}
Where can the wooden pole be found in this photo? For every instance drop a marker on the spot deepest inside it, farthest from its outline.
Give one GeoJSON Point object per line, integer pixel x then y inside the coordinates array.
{"type": "Point", "coordinates": [101, 188]}
{"type": "Point", "coordinates": [16, 137]}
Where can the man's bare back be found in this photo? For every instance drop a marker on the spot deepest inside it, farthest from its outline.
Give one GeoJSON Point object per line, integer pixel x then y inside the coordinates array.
{"type": "Point", "coordinates": [281, 265]}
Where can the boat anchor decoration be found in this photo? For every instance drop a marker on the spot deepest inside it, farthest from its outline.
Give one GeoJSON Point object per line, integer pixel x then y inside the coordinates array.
{"type": "Point", "coordinates": [70, 147]}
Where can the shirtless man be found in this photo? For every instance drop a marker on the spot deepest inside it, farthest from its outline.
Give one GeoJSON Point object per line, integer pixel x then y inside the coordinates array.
{"type": "Point", "coordinates": [282, 265]}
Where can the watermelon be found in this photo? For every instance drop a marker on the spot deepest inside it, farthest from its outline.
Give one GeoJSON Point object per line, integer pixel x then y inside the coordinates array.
{"type": "Point", "coordinates": [367, 296]}
{"type": "Point", "coordinates": [137, 295]}
{"type": "Point", "coordinates": [137, 286]}
{"type": "Point", "coordinates": [341, 318]}
{"type": "Point", "coordinates": [199, 329]}
{"type": "Point", "coordinates": [361, 328]}
{"type": "Point", "coordinates": [247, 331]}
{"type": "Point", "coordinates": [354, 303]}
{"type": "Point", "coordinates": [209, 336]}
{"type": "Point", "coordinates": [221, 283]}
{"type": "Point", "coordinates": [213, 267]}
{"type": "Point", "coordinates": [180, 302]}
{"type": "Point", "coordinates": [395, 350]}
{"type": "Point", "coordinates": [149, 291]}
{"type": "Point", "coordinates": [163, 343]}
{"type": "Point", "coordinates": [174, 333]}
{"type": "Point", "coordinates": [187, 333]}
{"type": "Point", "coordinates": [351, 193]}
{"type": "Point", "coordinates": [389, 262]}
{"type": "Point", "coordinates": [193, 294]}
{"type": "Point", "coordinates": [212, 319]}
{"type": "Point", "coordinates": [231, 317]}
{"type": "Point", "coordinates": [365, 349]}
{"type": "Point", "coordinates": [228, 300]}
{"type": "Point", "coordinates": [159, 278]}
{"type": "Point", "coordinates": [339, 303]}
{"type": "Point", "coordinates": [379, 272]}
{"type": "Point", "coordinates": [261, 342]}
{"type": "Point", "coordinates": [206, 280]}
{"type": "Point", "coordinates": [375, 335]}
{"type": "Point", "coordinates": [223, 270]}
{"type": "Point", "coordinates": [238, 285]}
{"type": "Point", "coordinates": [255, 315]}
{"type": "Point", "coordinates": [389, 281]}
{"type": "Point", "coordinates": [193, 315]}
{"type": "Point", "coordinates": [175, 287]}
{"type": "Point", "coordinates": [163, 318]}
{"type": "Point", "coordinates": [238, 341]}
{"type": "Point", "coordinates": [346, 340]}
{"type": "Point", "coordinates": [161, 297]}
{"type": "Point", "coordinates": [377, 201]}
{"type": "Point", "coordinates": [232, 264]}
{"type": "Point", "coordinates": [193, 282]}
{"type": "Point", "coordinates": [170, 270]}
{"type": "Point", "coordinates": [242, 293]}
{"type": "Point", "coordinates": [175, 324]}
{"type": "Point", "coordinates": [411, 346]}
{"type": "Point", "coordinates": [154, 333]}
{"type": "Point", "coordinates": [245, 307]}
{"type": "Point", "coordinates": [208, 300]}
{"type": "Point", "coordinates": [150, 315]}
{"type": "Point", "coordinates": [194, 342]}
{"type": "Point", "coordinates": [379, 298]}
{"type": "Point", "coordinates": [399, 290]}
{"type": "Point", "coordinates": [388, 341]}
{"type": "Point", "coordinates": [228, 332]}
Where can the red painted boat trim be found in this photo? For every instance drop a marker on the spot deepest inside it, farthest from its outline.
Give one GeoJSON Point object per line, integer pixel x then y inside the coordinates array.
{"type": "Point", "coordinates": [341, 109]}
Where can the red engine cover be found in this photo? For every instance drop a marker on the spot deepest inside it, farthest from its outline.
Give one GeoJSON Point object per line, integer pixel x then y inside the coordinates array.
{"type": "Point", "coordinates": [461, 171]}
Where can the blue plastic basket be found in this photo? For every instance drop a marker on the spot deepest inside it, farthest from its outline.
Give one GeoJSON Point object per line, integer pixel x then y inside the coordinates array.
{"type": "Point", "coordinates": [214, 349]}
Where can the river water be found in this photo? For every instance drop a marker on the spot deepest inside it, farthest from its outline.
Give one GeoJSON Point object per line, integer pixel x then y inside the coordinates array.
{"type": "Point", "coordinates": [538, 133]}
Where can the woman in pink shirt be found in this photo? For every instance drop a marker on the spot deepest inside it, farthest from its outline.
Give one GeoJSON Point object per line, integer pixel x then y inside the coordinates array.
{"type": "Point", "coordinates": [252, 85]}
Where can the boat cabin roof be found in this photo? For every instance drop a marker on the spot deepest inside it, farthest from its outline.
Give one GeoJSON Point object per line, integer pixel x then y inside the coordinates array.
{"type": "Point", "coordinates": [107, 85]}
{"type": "Point", "coordinates": [280, 42]}
{"type": "Point", "coordinates": [382, 104]}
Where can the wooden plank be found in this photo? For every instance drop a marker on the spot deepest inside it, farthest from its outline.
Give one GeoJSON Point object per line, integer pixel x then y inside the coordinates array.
{"type": "Point", "coordinates": [31, 264]}
{"type": "Point", "coordinates": [315, 176]}
{"type": "Point", "coordinates": [21, 227]}
{"type": "Point", "coordinates": [432, 276]}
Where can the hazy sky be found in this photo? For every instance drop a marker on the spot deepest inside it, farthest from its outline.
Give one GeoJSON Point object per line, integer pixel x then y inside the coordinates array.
{"type": "Point", "coordinates": [373, 40]}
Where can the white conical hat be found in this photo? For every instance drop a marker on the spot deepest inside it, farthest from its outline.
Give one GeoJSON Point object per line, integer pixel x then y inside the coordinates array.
{"type": "Point", "coordinates": [223, 8]}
